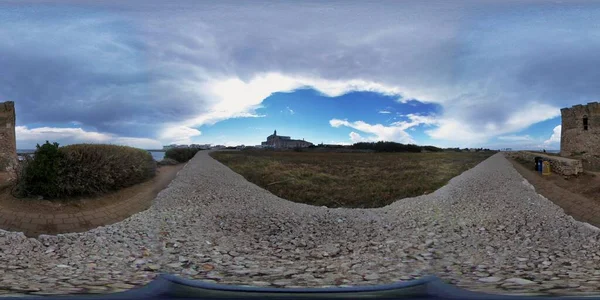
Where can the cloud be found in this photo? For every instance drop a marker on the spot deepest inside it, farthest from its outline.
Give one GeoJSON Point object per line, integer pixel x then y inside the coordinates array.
{"type": "Point", "coordinates": [28, 137]}
{"type": "Point", "coordinates": [288, 110]}
{"type": "Point", "coordinates": [179, 134]}
{"type": "Point", "coordinates": [415, 120]}
{"type": "Point", "coordinates": [339, 143]}
{"type": "Point", "coordinates": [119, 68]}
{"type": "Point", "coordinates": [516, 138]}
{"type": "Point", "coordinates": [385, 112]}
{"type": "Point", "coordinates": [357, 138]}
{"type": "Point", "coordinates": [555, 137]}
{"type": "Point", "coordinates": [378, 132]}
{"type": "Point", "coordinates": [454, 128]}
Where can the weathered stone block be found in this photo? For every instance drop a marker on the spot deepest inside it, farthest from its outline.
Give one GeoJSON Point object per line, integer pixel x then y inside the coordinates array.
{"type": "Point", "coordinates": [8, 144]}
{"type": "Point", "coordinates": [559, 165]}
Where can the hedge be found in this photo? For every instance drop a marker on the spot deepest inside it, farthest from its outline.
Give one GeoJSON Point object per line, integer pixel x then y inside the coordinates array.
{"type": "Point", "coordinates": [181, 154]}
{"type": "Point", "coordinates": [83, 169]}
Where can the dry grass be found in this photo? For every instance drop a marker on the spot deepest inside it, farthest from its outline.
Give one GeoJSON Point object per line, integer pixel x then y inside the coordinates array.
{"type": "Point", "coordinates": [357, 180]}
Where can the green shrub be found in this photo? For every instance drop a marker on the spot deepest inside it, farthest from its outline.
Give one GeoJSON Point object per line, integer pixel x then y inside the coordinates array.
{"type": "Point", "coordinates": [83, 169]}
{"type": "Point", "coordinates": [432, 149]}
{"type": "Point", "coordinates": [181, 154]}
{"type": "Point", "coordinates": [167, 162]}
{"type": "Point", "coordinates": [40, 176]}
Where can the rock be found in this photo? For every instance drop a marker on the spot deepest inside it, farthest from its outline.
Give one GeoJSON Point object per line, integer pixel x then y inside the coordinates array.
{"type": "Point", "coordinates": [190, 272]}
{"type": "Point", "coordinates": [522, 259]}
{"type": "Point", "coordinates": [260, 283]}
{"type": "Point", "coordinates": [490, 279]}
{"type": "Point", "coordinates": [174, 265]}
{"type": "Point", "coordinates": [371, 276]}
{"type": "Point", "coordinates": [120, 285]}
{"type": "Point", "coordinates": [282, 282]}
{"type": "Point", "coordinates": [152, 267]}
{"type": "Point", "coordinates": [519, 281]}
{"type": "Point", "coordinates": [214, 275]}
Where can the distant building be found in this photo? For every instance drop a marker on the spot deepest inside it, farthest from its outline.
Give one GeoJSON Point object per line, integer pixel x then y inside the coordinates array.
{"type": "Point", "coordinates": [279, 141]}
{"type": "Point", "coordinates": [218, 147]}
{"type": "Point", "coordinates": [198, 146]}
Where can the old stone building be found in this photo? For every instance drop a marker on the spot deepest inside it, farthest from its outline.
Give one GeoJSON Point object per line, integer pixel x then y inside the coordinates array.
{"type": "Point", "coordinates": [8, 144]}
{"type": "Point", "coordinates": [580, 134]}
{"type": "Point", "coordinates": [279, 141]}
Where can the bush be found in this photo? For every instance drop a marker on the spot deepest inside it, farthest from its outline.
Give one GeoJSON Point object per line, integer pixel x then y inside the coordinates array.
{"type": "Point", "coordinates": [83, 169]}
{"type": "Point", "coordinates": [168, 162]}
{"type": "Point", "coordinates": [40, 175]}
{"type": "Point", "coordinates": [181, 154]}
{"type": "Point", "coordinates": [387, 147]}
{"type": "Point", "coordinates": [432, 149]}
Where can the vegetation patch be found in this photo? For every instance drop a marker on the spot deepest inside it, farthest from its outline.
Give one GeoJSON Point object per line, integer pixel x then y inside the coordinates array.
{"type": "Point", "coordinates": [181, 154]}
{"type": "Point", "coordinates": [356, 180]}
{"type": "Point", "coordinates": [82, 170]}
{"type": "Point", "coordinates": [168, 162]}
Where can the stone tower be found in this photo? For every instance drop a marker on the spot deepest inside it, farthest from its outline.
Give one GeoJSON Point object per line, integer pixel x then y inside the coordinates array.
{"type": "Point", "coordinates": [580, 134]}
{"type": "Point", "coordinates": [8, 143]}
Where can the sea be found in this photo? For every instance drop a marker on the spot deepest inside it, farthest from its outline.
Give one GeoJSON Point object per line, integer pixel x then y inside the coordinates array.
{"type": "Point", "coordinates": [157, 155]}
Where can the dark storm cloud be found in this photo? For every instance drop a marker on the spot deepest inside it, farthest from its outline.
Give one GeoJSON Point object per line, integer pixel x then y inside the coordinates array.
{"type": "Point", "coordinates": [127, 67]}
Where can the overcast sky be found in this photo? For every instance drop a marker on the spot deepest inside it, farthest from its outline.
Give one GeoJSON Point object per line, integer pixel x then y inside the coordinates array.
{"type": "Point", "coordinates": [150, 73]}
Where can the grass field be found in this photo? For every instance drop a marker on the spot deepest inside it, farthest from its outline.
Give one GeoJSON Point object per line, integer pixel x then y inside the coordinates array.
{"type": "Point", "coordinates": [357, 180]}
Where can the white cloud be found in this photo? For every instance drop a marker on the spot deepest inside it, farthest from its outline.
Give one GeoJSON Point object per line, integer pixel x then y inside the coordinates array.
{"type": "Point", "coordinates": [179, 134]}
{"type": "Point", "coordinates": [515, 138]}
{"type": "Point", "coordinates": [396, 132]}
{"type": "Point", "coordinates": [356, 138]}
{"type": "Point", "coordinates": [453, 128]}
{"type": "Point", "coordinates": [339, 143]}
{"type": "Point", "coordinates": [27, 137]}
{"type": "Point", "coordinates": [42, 134]}
{"type": "Point", "coordinates": [378, 132]}
{"type": "Point", "coordinates": [385, 112]}
{"type": "Point", "coordinates": [144, 143]}
{"type": "Point", "coordinates": [415, 120]}
{"type": "Point", "coordinates": [555, 137]}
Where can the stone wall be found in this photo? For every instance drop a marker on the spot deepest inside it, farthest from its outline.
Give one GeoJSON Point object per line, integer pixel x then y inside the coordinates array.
{"type": "Point", "coordinates": [574, 139]}
{"type": "Point", "coordinates": [8, 144]}
{"type": "Point", "coordinates": [559, 165]}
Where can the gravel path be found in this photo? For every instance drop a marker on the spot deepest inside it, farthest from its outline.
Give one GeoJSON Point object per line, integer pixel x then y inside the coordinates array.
{"type": "Point", "coordinates": [486, 230]}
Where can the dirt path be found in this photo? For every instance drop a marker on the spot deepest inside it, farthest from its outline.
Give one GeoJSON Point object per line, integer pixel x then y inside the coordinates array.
{"type": "Point", "coordinates": [35, 217]}
{"type": "Point", "coordinates": [578, 196]}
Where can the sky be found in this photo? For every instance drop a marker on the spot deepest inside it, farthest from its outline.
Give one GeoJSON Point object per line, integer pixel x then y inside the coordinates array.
{"type": "Point", "coordinates": [490, 74]}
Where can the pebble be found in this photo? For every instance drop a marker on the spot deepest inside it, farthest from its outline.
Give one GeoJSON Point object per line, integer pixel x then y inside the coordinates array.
{"type": "Point", "coordinates": [372, 276]}
{"type": "Point", "coordinates": [519, 281]}
{"type": "Point", "coordinates": [490, 279]}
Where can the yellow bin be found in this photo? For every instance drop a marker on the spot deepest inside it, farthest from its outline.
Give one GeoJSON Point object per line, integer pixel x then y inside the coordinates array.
{"type": "Point", "coordinates": [546, 168]}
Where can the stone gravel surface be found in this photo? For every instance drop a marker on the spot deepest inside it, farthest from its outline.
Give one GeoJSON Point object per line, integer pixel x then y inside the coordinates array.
{"type": "Point", "coordinates": [486, 230]}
